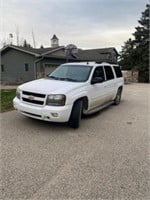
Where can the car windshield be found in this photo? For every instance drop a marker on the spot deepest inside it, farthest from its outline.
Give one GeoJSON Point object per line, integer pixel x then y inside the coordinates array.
{"type": "Point", "coordinates": [74, 73]}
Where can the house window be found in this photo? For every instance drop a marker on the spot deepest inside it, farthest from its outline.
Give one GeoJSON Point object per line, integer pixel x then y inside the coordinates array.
{"type": "Point", "coordinates": [2, 68]}
{"type": "Point", "coordinates": [26, 65]}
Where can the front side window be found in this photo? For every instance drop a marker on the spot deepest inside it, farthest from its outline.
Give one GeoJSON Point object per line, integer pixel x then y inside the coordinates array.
{"type": "Point", "coordinates": [99, 72]}
{"type": "Point", "coordinates": [109, 72]}
{"type": "Point", "coordinates": [74, 73]}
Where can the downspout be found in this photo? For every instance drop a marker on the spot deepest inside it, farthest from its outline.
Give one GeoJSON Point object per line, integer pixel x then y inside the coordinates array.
{"type": "Point", "coordinates": [35, 66]}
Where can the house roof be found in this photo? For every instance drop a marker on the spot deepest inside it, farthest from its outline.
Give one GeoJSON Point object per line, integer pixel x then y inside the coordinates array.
{"type": "Point", "coordinates": [98, 55]}
{"type": "Point", "coordinates": [32, 51]}
{"type": "Point", "coordinates": [54, 37]}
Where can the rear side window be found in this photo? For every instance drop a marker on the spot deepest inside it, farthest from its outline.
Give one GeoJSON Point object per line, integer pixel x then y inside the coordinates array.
{"type": "Point", "coordinates": [109, 73]}
{"type": "Point", "coordinates": [117, 71]}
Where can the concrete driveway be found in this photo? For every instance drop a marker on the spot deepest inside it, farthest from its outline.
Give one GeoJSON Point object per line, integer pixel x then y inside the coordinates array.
{"type": "Point", "coordinates": [106, 158]}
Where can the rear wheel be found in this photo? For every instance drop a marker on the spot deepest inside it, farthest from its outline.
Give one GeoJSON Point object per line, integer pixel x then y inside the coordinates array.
{"type": "Point", "coordinates": [75, 117]}
{"type": "Point", "coordinates": [118, 97]}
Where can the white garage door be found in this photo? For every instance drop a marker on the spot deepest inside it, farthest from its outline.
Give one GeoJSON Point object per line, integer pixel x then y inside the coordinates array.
{"type": "Point", "coordinates": [49, 68]}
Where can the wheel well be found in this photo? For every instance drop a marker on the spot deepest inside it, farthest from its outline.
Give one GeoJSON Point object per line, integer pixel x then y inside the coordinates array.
{"type": "Point", "coordinates": [121, 87]}
{"type": "Point", "coordinates": [85, 102]}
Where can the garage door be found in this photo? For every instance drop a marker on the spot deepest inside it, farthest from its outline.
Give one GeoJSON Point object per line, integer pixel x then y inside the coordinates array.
{"type": "Point", "coordinates": [49, 68]}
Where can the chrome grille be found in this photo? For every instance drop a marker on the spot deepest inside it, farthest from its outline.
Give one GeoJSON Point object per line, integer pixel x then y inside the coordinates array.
{"type": "Point", "coordinates": [33, 94]}
{"type": "Point", "coordinates": [33, 98]}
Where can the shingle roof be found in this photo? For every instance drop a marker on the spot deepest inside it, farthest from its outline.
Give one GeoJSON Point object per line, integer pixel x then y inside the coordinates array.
{"type": "Point", "coordinates": [33, 51]}
{"type": "Point", "coordinates": [98, 55]}
{"type": "Point", "coordinates": [39, 50]}
{"type": "Point", "coordinates": [54, 37]}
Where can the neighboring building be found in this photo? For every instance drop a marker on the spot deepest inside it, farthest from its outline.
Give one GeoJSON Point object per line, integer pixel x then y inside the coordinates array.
{"type": "Point", "coordinates": [54, 41]}
{"type": "Point", "coordinates": [22, 64]}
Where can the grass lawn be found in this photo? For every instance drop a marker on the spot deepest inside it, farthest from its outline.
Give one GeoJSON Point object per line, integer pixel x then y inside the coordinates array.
{"type": "Point", "coordinates": [7, 96]}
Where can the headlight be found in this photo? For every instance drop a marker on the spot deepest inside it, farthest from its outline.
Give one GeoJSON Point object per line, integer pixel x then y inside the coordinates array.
{"type": "Point", "coordinates": [18, 91]}
{"type": "Point", "coordinates": [56, 100]}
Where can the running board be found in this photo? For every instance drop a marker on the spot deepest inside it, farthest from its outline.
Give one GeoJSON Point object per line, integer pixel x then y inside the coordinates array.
{"type": "Point", "coordinates": [98, 108]}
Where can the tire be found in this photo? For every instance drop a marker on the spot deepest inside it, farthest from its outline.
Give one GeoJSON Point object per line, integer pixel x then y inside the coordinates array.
{"type": "Point", "coordinates": [118, 97]}
{"type": "Point", "coordinates": [76, 113]}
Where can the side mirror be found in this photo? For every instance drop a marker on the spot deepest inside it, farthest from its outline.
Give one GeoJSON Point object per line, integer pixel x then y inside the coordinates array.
{"type": "Point", "coordinates": [97, 80]}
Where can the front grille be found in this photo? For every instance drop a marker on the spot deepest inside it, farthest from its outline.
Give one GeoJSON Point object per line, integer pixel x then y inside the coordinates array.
{"type": "Point", "coordinates": [33, 94]}
{"type": "Point", "coordinates": [33, 98]}
{"type": "Point", "coordinates": [33, 101]}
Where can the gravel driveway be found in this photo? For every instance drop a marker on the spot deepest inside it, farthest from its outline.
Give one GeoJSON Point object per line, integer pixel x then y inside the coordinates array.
{"type": "Point", "coordinates": [106, 158]}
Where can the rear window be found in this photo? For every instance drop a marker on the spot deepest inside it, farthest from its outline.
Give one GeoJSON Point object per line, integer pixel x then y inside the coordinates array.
{"type": "Point", "coordinates": [117, 71]}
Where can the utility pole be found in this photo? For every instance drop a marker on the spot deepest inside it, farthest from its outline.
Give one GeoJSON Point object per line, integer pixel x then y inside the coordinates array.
{"type": "Point", "coordinates": [17, 35]}
{"type": "Point", "coordinates": [34, 44]}
{"type": "Point", "coordinates": [11, 38]}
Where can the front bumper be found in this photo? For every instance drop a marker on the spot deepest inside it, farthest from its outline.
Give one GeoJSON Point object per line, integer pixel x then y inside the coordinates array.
{"type": "Point", "coordinates": [46, 113]}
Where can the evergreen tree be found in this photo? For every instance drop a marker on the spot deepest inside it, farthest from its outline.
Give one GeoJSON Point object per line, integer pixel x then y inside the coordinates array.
{"type": "Point", "coordinates": [25, 44]}
{"type": "Point", "coordinates": [126, 55]}
{"type": "Point", "coordinates": [135, 53]}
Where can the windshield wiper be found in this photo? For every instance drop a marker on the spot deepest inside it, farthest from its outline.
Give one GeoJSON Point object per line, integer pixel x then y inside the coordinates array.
{"type": "Point", "coordinates": [69, 79]}
{"type": "Point", "coordinates": [53, 77]}
{"type": "Point", "coordinates": [63, 79]}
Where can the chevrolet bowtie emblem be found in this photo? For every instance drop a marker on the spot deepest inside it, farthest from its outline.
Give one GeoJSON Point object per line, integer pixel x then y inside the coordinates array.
{"type": "Point", "coordinates": [31, 97]}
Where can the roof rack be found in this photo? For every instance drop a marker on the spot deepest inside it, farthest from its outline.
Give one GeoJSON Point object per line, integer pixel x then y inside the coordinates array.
{"type": "Point", "coordinates": [97, 62]}
{"type": "Point", "coordinates": [88, 62]}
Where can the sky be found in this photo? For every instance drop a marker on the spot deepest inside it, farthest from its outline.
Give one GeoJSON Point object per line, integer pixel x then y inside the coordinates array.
{"type": "Point", "coordinates": [86, 23]}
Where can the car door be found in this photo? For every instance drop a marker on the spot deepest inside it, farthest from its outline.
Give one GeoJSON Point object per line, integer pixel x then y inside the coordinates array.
{"type": "Point", "coordinates": [98, 93]}
{"type": "Point", "coordinates": [110, 82]}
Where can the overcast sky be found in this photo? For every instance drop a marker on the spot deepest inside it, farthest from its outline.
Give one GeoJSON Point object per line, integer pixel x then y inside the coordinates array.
{"type": "Point", "coordinates": [85, 23]}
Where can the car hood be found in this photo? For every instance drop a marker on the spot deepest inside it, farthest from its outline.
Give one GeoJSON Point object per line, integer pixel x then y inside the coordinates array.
{"type": "Point", "coordinates": [48, 86]}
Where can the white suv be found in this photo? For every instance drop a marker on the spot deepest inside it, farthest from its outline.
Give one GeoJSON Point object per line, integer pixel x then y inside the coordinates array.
{"type": "Point", "coordinates": [69, 91]}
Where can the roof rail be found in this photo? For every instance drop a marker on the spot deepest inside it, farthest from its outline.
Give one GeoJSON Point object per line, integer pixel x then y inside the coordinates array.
{"type": "Point", "coordinates": [88, 62]}
{"type": "Point", "coordinates": [108, 62]}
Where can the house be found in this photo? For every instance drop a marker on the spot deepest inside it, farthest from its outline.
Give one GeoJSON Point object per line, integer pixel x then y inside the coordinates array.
{"type": "Point", "coordinates": [22, 64]}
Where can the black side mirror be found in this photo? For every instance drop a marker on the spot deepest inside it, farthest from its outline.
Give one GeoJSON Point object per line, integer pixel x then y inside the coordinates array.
{"type": "Point", "coordinates": [97, 80]}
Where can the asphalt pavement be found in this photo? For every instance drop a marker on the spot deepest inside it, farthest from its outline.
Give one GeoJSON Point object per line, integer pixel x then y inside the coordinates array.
{"type": "Point", "coordinates": [107, 158]}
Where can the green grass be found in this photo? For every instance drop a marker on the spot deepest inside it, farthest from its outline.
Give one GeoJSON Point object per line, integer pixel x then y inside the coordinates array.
{"type": "Point", "coordinates": [6, 99]}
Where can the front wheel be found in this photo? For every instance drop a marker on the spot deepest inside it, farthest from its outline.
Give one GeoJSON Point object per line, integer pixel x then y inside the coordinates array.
{"type": "Point", "coordinates": [118, 97]}
{"type": "Point", "coordinates": [75, 117]}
